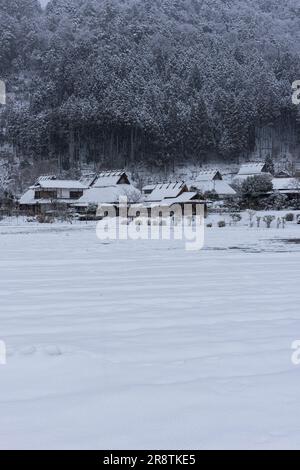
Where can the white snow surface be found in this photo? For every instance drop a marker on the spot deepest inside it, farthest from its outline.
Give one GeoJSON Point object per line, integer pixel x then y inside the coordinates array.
{"type": "Point", "coordinates": [141, 344]}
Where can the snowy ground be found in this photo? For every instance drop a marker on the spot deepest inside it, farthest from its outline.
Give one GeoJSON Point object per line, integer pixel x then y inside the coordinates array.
{"type": "Point", "coordinates": [145, 345]}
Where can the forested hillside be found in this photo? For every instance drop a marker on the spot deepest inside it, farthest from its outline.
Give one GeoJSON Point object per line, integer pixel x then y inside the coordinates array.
{"type": "Point", "coordinates": [122, 81]}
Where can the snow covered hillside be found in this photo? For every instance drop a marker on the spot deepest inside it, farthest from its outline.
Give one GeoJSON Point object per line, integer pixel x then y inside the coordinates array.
{"type": "Point", "coordinates": [145, 345]}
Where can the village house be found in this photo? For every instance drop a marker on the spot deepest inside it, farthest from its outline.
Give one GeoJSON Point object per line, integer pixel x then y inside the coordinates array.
{"type": "Point", "coordinates": [158, 192]}
{"type": "Point", "coordinates": [107, 188]}
{"type": "Point", "coordinates": [288, 186]}
{"type": "Point", "coordinates": [48, 192]}
{"type": "Point", "coordinates": [163, 196]}
{"type": "Point", "coordinates": [282, 174]}
{"type": "Point", "coordinates": [211, 181]}
{"type": "Point", "coordinates": [251, 169]}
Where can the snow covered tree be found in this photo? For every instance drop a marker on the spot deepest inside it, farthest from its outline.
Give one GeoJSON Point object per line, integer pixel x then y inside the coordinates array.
{"type": "Point", "coordinates": [254, 188]}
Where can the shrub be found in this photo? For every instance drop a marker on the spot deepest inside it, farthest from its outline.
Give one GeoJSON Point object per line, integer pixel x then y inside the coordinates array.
{"type": "Point", "coordinates": [221, 224]}
{"type": "Point", "coordinates": [268, 219]}
{"type": "Point", "coordinates": [253, 188]}
{"type": "Point", "coordinates": [294, 204]}
{"type": "Point", "coordinates": [290, 217]}
{"type": "Point", "coordinates": [236, 218]}
{"type": "Point", "coordinates": [276, 201]}
{"type": "Point", "coordinates": [234, 203]}
{"type": "Point", "coordinates": [45, 219]}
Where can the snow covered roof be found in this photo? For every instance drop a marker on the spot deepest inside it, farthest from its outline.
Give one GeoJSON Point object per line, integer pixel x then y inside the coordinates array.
{"type": "Point", "coordinates": [28, 198]}
{"type": "Point", "coordinates": [110, 178]}
{"type": "Point", "coordinates": [251, 169]}
{"type": "Point", "coordinates": [283, 174]}
{"type": "Point", "coordinates": [149, 187]}
{"type": "Point", "coordinates": [181, 199]}
{"type": "Point", "coordinates": [287, 185]}
{"type": "Point", "coordinates": [88, 179]}
{"type": "Point", "coordinates": [59, 184]}
{"type": "Point", "coordinates": [105, 195]}
{"type": "Point", "coordinates": [46, 177]}
{"type": "Point", "coordinates": [208, 175]}
{"type": "Point", "coordinates": [165, 190]}
{"type": "Point", "coordinates": [219, 186]}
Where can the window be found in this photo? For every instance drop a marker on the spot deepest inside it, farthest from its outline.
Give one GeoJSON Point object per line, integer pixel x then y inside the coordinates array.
{"type": "Point", "coordinates": [44, 194]}
{"type": "Point", "coordinates": [75, 194]}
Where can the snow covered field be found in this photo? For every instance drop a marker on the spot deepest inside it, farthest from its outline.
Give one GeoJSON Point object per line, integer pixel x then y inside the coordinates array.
{"type": "Point", "coordinates": [130, 345]}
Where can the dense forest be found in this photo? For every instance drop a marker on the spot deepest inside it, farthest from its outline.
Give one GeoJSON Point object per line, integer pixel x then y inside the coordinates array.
{"type": "Point", "coordinates": [124, 81]}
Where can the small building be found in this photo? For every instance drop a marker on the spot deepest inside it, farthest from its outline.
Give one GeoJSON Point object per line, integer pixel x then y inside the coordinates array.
{"type": "Point", "coordinates": [165, 195]}
{"type": "Point", "coordinates": [251, 169]}
{"type": "Point", "coordinates": [288, 186]}
{"type": "Point", "coordinates": [188, 199]}
{"type": "Point", "coordinates": [108, 179]}
{"type": "Point", "coordinates": [161, 191]}
{"type": "Point", "coordinates": [107, 188]}
{"type": "Point", "coordinates": [282, 174]}
{"type": "Point", "coordinates": [49, 191]}
{"type": "Point", "coordinates": [211, 181]}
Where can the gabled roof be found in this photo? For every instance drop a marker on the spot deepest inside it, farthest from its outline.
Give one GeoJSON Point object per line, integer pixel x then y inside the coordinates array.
{"type": "Point", "coordinates": [181, 199]}
{"type": "Point", "coordinates": [219, 186]}
{"type": "Point", "coordinates": [107, 195]}
{"type": "Point", "coordinates": [46, 177]}
{"type": "Point", "coordinates": [283, 174]}
{"type": "Point", "coordinates": [209, 175]}
{"type": "Point", "coordinates": [88, 179]}
{"type": "Point", "coordinates": [59, 184]}
{"type": "Point", "coordinates": [165, 190]}
{"type": "Point", "coordinates": [110, 178]}
{"type": "Point", "coordinates": [287, 185]}
{"type": "Point", "coordinates": [252, 169]}
{"type": "Point", "coordinates": [28, 198]}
